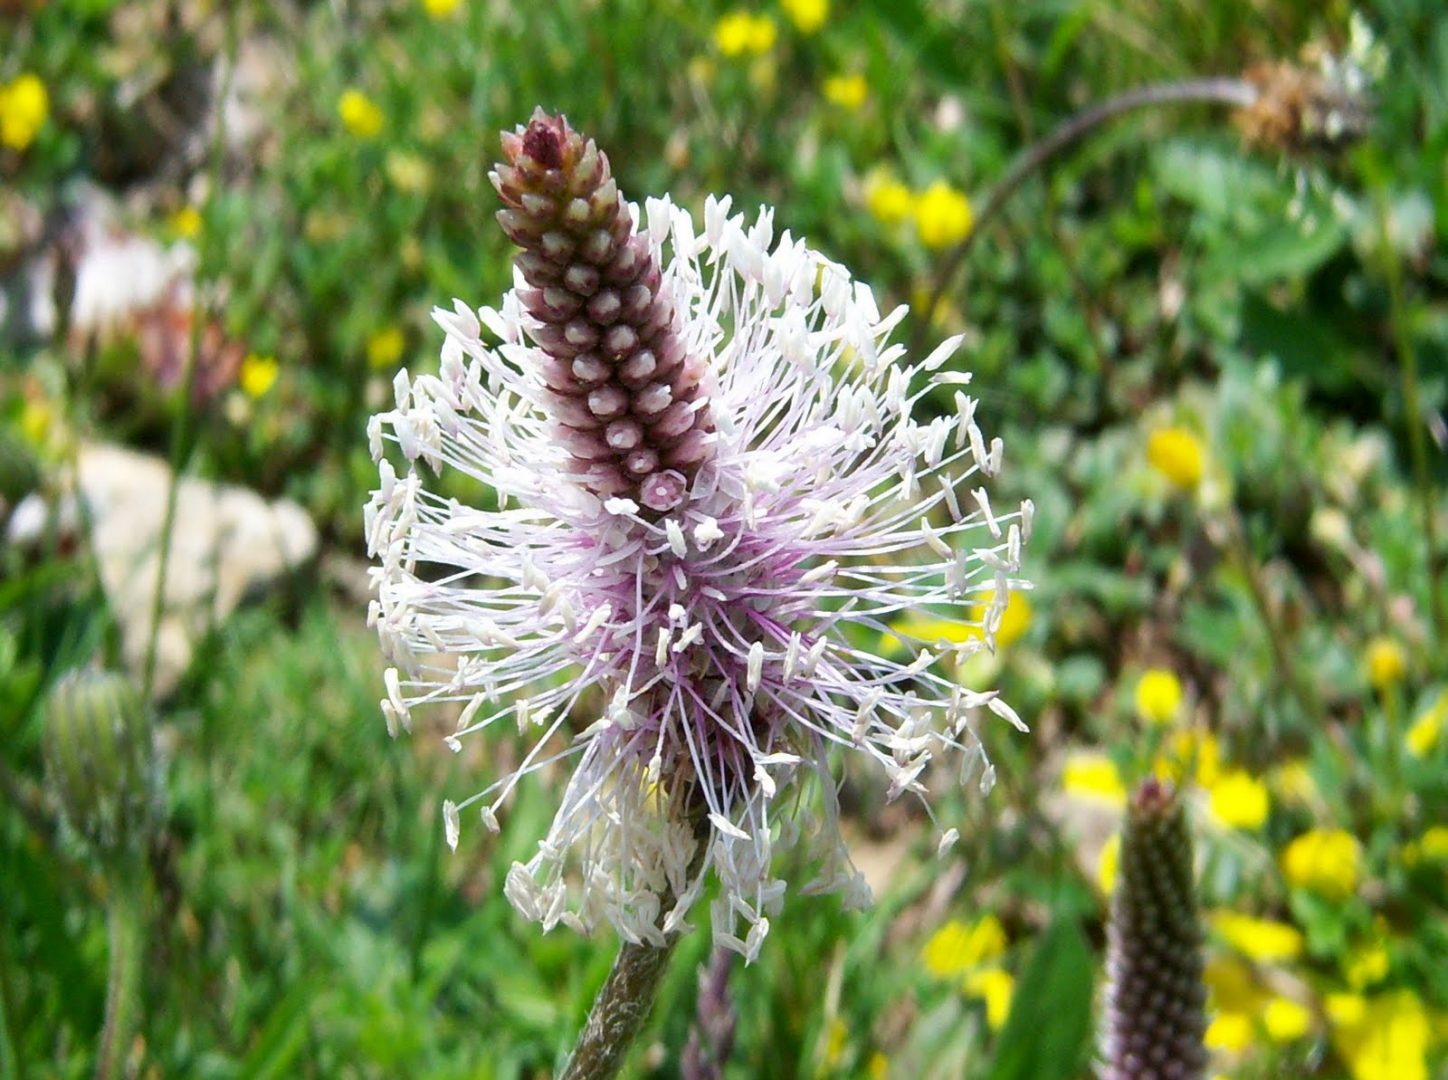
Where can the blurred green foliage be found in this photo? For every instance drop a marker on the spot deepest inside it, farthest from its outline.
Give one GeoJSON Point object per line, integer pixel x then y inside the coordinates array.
{"type": "Point", "coordinates": [308, 920]}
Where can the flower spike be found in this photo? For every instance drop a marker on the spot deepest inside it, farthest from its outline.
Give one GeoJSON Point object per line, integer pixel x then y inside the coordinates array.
{"type": "Point", "coordinates": [711, 489]}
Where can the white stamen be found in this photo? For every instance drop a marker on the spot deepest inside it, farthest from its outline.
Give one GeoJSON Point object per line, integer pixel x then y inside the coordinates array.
{"type": "Point", "coordinates": [932, 538]}
{"type": "Point", "coordinates": [451, 825]}
{"type": "Point", "coordinates": [706, 533]}
{"type": "Point", "coordinates": [688, 637]}
{"type": "Point", "coordinates": [727, 827]}
{"type": "Point", "coordinates": [676, 538]}
{"type": "Point", "coordinates": [599, 616]}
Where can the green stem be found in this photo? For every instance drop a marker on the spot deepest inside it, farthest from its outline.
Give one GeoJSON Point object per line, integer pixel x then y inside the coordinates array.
{"type": "Point", "coordinates": [1287, 667]}
{"type": "Point", "coordinates": [627, 995]}
{"type": "Point", "coordinates": [180, 434]}
{"type": "Point", "coordinates": [12, 1065]}
{"type": "Point", "coordinates": [1393, 750]}
{"type": "Point", "coordinates": [1220, 91]}
{"type": "Point", "coordinates": [126, 917]}
{"type": "Point", "coordinates": [428, 901]}
{"type": "Point", "coordinates": [1417, 445]}
{"type": "Point", "coordinates": [619, 1011]}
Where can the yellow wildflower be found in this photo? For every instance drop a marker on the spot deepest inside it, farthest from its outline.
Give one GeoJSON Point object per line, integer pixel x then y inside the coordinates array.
{"type": "Point", "coordinates": [878, 1067]}
{"type": "Point", "coordinates": [1158, 695]}
{"type": "Point", "coordinates": [1286, 1020]}
{"type": "Point", "coordinates": [1093, 775]}
{"type": "Point", "coordinates": [1366, 966]}
{"type": "Point", "coordinates": [1178, 455]}
{"type": "Point", "coordinates": [1229, 1031]}
{"type": "Point", "coordinates": [1345, 1010]}
{"type": "Point", "coordinates": [846, 91]}
{"type": "Point", "coordinates": [258, 374]}
{"type": "Point", "coordinates": [956, 948]}
{"type": "Point", "coordinates": [186, 223]}
{"type": "Point", "coordinates": [441, 9]}
{"type": "Point", "coordinates": [410, 253]}
{"type": "Point", "coordinates": [1190, 754]}
{"type": "Point", "coordinates": [37, 420]}
{"type": "Point", "coordinates": [837, 1040]}
{"type": "Point", "coordinates": [359, 114]}
{"type": "Point", "coordinates": [1433, 844]}
{"type": "Point", "coordinates": [1109, 864]}
{"type": "Point", "coordinates": [1385, 662]}
{"type": "Point", "coordinates": [807, 15]}
{"type": "Point", "coordinates": [943, 216]}
{"type": "Point", "coordinates": [408, 172]}
{"type": "Point", "coordinates": [325, 226]}
{"type": "Point", "coordinates": [384, 348]}
{"type": "Point", "coordinates": [1422, 737]}
{"type": "Point", "coordinates": [888, 200]}
{"type": "Point", "coordinates": [1239, 800]}
{"type": "Point", "coordinates": [1382, 1038]}
{"type": "Point", "coordinates": [995, 986]}
{"type": "Point", "coordinates": [24, 106]}
{"type": "Point", "coordinates": [1294, 782]}
{"type": "Point", "coordinates": [926, 629]}
{"type": "Point", "coordinates": [1015, 618]}
{"type": "Point", "coordinates": [739, 32]}
{"type": "Point", "coordinates": [1232, 984]}
{"type": "Point", "coordinates": [1325, 861]}
{"type": "Point", "coordinates": [1263, 940]}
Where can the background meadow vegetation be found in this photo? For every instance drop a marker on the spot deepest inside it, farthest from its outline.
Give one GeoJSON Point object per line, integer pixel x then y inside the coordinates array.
{"type": "Point", "coordinates": [1220, 372]}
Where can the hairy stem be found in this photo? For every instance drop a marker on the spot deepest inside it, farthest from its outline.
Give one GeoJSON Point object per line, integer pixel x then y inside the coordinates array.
{"type": "Point", "coordinates": [1221, 91]}
{"type": "Point", "coordinates": [627, 995]}
{"type": "Point", "coordinates": [126, 917]}
{"type": "Point", "coordinates": [619, 1011]}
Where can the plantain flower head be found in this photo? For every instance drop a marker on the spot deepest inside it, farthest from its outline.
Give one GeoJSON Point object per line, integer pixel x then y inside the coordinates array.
{"type": "Point", "coordinates": [710, 491]}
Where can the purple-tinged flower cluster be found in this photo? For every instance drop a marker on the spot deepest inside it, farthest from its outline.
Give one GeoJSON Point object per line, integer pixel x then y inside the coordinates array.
{"type": "Point", "coordinates": [1156, 999]}
{"type": "Point", "coordinates": [693, 655]}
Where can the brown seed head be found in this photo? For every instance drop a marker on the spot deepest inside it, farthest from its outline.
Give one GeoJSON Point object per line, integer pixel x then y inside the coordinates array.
{"type": "Point", "coordinates": [1300, 109]}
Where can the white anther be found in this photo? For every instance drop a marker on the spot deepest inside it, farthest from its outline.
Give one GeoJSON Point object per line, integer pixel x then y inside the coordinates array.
{"type": "Point", "coordinates": [755, 667]}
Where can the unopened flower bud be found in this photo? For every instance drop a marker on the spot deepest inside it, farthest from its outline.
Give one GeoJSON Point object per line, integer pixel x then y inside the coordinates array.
{"type": "Point", "coordinates": [101, 762]}
{"type": "Point", "coordinates": [1156, 1002]}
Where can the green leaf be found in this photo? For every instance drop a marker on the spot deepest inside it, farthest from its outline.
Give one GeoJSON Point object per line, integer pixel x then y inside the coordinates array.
{"type": "Point", "coordinates": [282, 1036]}
{"type": "Point", "coordinates": [1306, 347]}
{"type": "Point", "coordinates": [1255, 224]}
{"type": "Point", "coordinates": [1046, 1036]}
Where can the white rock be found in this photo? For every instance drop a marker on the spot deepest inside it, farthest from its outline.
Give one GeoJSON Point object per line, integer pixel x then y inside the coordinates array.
{"type": "Point", "coordinates": [228, 544]}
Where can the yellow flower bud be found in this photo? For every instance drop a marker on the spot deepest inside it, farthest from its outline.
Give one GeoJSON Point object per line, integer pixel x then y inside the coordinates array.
{"type": "Point", "coordinates": [1324, 861]}
{"type": "Point", "coordinates": [1178, 455]}
{"type": "Point", "coordinates": [943, 216]}
{"type": "Point", "coordinates": [1158, 695]}
{"type": "Point", "coordinates": [24, 107]}
{"type": "Point", "coordinates": [1385, 662]}
{"type": "Point", "coordinates": [359, 114]}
